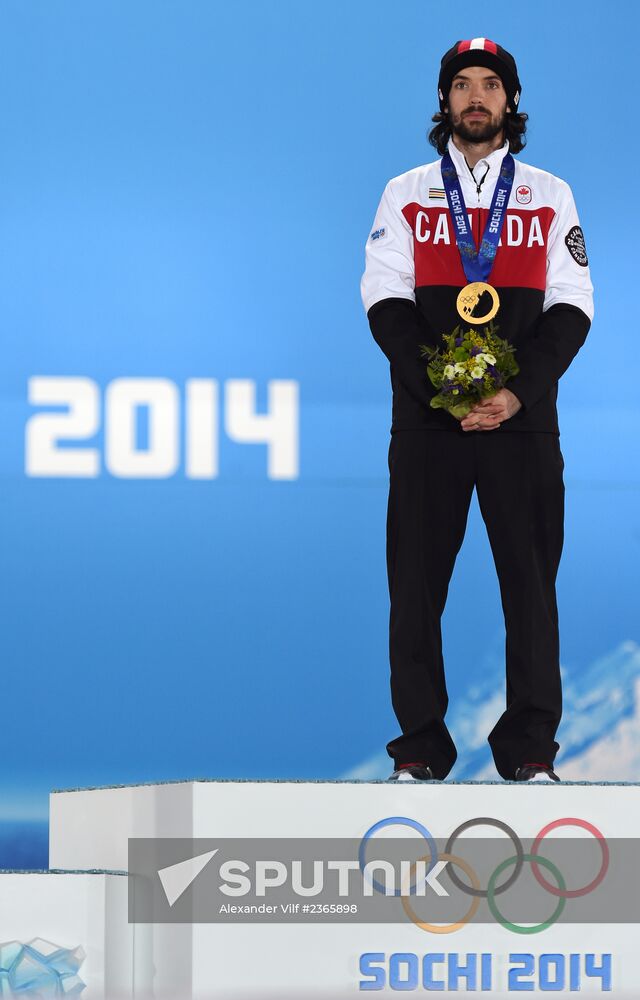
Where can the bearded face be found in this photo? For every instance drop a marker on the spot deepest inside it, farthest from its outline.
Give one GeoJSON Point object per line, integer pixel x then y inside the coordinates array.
{"type": "Point", "coordinates": [477, 128]}
{"type": "Point", "coordinates": [477, 105]}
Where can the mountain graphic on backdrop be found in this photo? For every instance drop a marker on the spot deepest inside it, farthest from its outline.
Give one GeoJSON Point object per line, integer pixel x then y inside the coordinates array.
{"type": "Point", "coordinates": [599, 733]}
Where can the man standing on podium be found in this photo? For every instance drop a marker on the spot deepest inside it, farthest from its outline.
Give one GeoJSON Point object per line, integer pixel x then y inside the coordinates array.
{"type": "Point", "coordinates": [477, 218]}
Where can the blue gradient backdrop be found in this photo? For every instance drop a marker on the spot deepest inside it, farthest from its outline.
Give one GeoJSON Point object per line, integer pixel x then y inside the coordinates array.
{"type": "Point", "coordinates": [185, 192]}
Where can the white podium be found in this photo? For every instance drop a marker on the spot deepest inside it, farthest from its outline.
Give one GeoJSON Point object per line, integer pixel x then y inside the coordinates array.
{"type": "Point", "coordinates": [90, 829]}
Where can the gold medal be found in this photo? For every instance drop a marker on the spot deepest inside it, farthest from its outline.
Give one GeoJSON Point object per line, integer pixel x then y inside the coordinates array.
{"type": "Point", "coordinates": [469, 297]}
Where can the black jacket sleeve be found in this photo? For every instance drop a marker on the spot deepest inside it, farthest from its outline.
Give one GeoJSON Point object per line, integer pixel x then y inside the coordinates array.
{"type": "Point", "coordinates": [560, 333]}
{"type": "Point", "coordinates": [397, 329]}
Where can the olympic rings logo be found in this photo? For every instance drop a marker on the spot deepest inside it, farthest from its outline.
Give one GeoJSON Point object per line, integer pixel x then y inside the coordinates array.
{"type": "Point", "coordinates": [517, 861]}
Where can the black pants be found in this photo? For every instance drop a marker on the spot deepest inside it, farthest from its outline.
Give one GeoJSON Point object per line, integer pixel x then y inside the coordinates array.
{"type": "Point", "coordinates": [520, 487]}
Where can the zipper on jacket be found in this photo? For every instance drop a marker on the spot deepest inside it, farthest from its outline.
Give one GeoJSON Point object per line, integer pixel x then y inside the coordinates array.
{"type": "Point", "coordinates": [478, 186]}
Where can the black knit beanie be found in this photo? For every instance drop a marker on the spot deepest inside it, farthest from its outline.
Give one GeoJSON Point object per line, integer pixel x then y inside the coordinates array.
{"type": "Point", "coordinates": [479, 52]}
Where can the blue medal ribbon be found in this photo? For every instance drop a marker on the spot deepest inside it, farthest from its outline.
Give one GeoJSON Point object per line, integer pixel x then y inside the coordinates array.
{"type": "Point", "coordinates": [477, 264]}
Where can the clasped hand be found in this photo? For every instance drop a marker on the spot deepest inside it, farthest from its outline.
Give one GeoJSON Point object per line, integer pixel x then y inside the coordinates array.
{"type": "Point", "coordinates": [488, 414]}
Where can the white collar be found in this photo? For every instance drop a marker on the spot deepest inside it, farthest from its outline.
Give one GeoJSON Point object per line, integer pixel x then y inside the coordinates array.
{"type": "Point", "coordinates": [493, 161]}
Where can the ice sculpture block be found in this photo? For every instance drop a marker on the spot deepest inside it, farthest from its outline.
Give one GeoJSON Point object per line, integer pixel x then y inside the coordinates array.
{"type": "Point", "coordinates": [65, 934]}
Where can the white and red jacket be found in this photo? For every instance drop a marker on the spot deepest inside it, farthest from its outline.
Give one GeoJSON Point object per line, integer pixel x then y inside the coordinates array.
{"type": "Point", "coordinates": [413, 275]}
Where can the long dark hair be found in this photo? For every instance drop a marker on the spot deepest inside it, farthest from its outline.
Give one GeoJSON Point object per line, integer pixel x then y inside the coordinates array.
{"type": "Point", "coordinates": [515, 126]}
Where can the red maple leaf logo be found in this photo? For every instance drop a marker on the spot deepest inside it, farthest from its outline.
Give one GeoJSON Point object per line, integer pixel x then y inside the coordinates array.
{"type": "Point", "coordinates": [523, 191]}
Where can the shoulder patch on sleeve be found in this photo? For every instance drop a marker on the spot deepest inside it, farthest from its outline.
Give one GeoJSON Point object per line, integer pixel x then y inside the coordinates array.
{"type": "Point", "coordinates": [576, 245]}
{"type": "Point", "coordinates": [378, 234]}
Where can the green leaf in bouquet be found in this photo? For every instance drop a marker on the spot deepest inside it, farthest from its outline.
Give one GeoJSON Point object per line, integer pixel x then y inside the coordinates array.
{"type": "Point", "coordinates": [439, 402]}
{"type": "Point", "coordinates": [460, 410]}
{"type": "Point", "coordinates": [450, 339]}
{"type": "Point", "coordinates": [427, 350]}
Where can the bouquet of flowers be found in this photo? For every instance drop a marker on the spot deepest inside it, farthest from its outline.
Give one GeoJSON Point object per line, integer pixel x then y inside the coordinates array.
{"type": "Point", "coordinates": [472, 365]}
